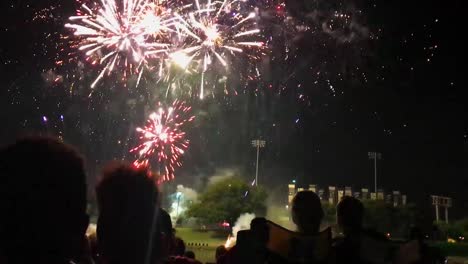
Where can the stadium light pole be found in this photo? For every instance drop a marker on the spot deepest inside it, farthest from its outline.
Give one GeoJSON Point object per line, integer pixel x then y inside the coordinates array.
{"type": "Point", "coordinates": [375, 156]}
{"type": "Point", "coordinates": [258, 143]}
{"type": "Point", "coordinates": [178, 195]}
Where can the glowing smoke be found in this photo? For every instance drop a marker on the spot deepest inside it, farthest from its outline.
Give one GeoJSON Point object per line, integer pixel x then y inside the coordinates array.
{"type": "Point", "coordinates": [189, 193]}
{"type": "Point", "coordinates": [180, 200]}
{"type": "Point", "coordinates": [221, 175]}
{"type": "Point", "coordinates": [242, 223]}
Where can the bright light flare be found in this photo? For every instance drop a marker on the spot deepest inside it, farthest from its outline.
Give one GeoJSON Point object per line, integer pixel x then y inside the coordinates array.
{"type": "Point", "coordinates": [163, 140]}
{"type": "Point", "coordinates": [180, 59]}
{"type": "Point", "coordinates": [230, 242]}
{"type": "Point", "coordinates": [216, 31]}
{"type": "Point", "coordinates": [122, 34]}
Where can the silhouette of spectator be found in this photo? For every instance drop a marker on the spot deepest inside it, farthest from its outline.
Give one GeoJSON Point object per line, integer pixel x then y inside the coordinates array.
{"type": "Point", "coordinates": [358, 245]}
{"type": "Point", "coordinates": [260, 231]}
{"type": "Point", "coordinates": [187, 258]}
{"type": "Point", "coordinates": [42, 202]}
{"type": "Point", "coordinates": [259, 236]}
{"type": "Point", "coordinates": [350, 214]}
{"type": "Point", "coordinates": [250, 246]}
{"type": "Point", "coordinates": [312, 245]}
{"type": "Point", "coordinates": [189, 254]}
{"type": "Point", "coordinates": [179, 256]}
{"type": "Point", "coordinates": [220, 251]}
{"type": "Point", "coordinates": [126, 230]}
{"type": "Point", "coordinates": [179, 247]}
{"type": "Point", "coordinates": [307, 212]}
{"type": "Point", "coordinates": [167, 234]}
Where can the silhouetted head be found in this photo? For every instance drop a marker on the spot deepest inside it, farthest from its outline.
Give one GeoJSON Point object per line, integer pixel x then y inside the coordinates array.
{"type": "Point", "coordinates": [179, 247]}
{"type": "Point", "coordinates": [167, 234]}
{"type": "Point", "coordinates": [189, 254]}
{"type": "Point", "coordinates": [165, 223]}
{"type": "Point", "coordinates": [220, 251]}
{"type": "Point", "coordinates": [350, 214]}
{"type": "Point", "coordinates": [127, 200]}
{"type": "Point", "coordinates": [307, 212]}
{"type": "Point", "coordinates": [42, 202]}
{"type": "Point", "coordinates": [259, 229]}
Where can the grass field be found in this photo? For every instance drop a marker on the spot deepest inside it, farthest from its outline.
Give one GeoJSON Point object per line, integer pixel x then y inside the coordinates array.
{"type": "Point", "coordinates": [211, 238]}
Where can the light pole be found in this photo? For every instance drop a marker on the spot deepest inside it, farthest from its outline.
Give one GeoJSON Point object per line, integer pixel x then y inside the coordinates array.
{"type": "Point", "coordinates": [178, 195]}
{"type": "Point", "coordinates": [258, 143]}
{"type": "Point", "coordinates": [375, 156]}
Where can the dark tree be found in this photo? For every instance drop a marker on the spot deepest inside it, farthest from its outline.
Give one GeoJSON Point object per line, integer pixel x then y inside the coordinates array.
{"type": "Point", "coordinates": [227, 200]}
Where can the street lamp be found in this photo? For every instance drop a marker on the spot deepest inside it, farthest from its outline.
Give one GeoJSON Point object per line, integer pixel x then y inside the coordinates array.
{"type": "Point", "coordinates": [178, 196]}
{"type": "Point", "coordinates": [375, 156]}
{"type": "Point", "coordinates": [258, 143]}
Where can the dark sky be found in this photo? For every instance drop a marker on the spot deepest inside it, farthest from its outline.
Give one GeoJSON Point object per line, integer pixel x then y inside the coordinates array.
{"type": "Point", "coordinates": [390, 81]}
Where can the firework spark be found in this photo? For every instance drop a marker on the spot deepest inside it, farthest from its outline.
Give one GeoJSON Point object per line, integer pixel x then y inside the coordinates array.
{"type": "Point", "coordinates": [214, 31]}
{"type": "Point", "coordinates": [122, 34]}
{"type": "Point", "coordinates": [163, 136]}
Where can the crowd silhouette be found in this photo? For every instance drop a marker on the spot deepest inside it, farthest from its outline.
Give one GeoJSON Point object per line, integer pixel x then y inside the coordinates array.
{"type": "Point", "coordinates": [44, 219]}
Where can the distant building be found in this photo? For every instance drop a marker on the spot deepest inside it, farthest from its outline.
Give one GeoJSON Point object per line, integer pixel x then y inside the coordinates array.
{"type": "Point", "coordinates": [380, 194]}
{"type": "Point", "coordinates": [388, 198]}
{"type": "Point", "coordinates": [396, 198]}
{"type": "Point", "coordinates": [365, 193]}
{"type": "Point", "coordinates": [313, 187]}
{"type": "Point", "coordinates": [348, 191]}
{"type": "Point", "coordinates": [333, 194]}
{"type": "Point", "coordinates": [340, 195]}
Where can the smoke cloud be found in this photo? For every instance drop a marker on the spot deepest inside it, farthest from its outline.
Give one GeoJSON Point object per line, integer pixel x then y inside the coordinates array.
{"type": "Point", "coordinates": [180, 200]}
{"type": "Point", "coordinates": [242, 223]}
{"type": "Point", "coordinates": [222, 174]}
{"type": "Point", "coordinates": [188, 193]}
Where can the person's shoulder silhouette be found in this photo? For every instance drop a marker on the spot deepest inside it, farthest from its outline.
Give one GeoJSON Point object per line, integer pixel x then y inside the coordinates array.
{"type": "Point", "coordinates": [358, 245]}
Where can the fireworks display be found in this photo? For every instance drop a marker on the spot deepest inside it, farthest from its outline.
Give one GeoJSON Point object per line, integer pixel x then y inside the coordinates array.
{"type": "Point", "coordinates": [148, 34]}
{"type": "Point", "coordinates": [215, 30]}
{"type": "Point", "coordinates": [215, 43]}
{"type": "Point", "coordinates": [133, 36]}
{"type": "Point", "coordinates": [125, 34]}
{"type": "Point", "coordinates": [164, 138]}
{"type": "Point", "coordinates": [309, 76]}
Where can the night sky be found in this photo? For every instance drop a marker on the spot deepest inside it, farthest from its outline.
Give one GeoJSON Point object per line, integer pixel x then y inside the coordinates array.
{"type": "Point", "coordinates": [365, 76]}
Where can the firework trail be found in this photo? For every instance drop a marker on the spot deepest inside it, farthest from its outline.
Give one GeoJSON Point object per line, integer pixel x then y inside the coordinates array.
{"type": "Point", "coordinates": [164, 138]}
{"type": "Point", "coordinates": [214, 31]}
{"type": "Point", "coordinates": [122, 33]}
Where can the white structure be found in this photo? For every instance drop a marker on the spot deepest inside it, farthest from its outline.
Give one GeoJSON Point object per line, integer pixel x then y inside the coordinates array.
{"type": "Point", "coordinates": [258, 144]}
{"type": "Point", "coordinates": [444, 202]}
